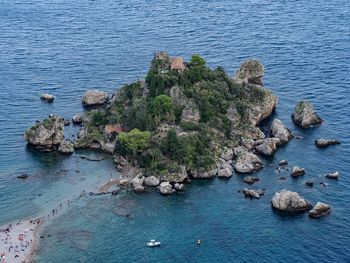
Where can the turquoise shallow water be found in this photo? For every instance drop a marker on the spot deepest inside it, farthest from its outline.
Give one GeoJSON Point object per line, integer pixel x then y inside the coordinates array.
{"type": "Point", "coordinates": [65, 47]}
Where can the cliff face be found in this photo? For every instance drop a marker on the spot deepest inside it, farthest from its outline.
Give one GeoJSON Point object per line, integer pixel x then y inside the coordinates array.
{"type": "Point", "coordinates": [191, 112]}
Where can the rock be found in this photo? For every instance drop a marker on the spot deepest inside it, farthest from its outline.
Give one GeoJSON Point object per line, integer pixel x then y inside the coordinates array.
{"type": "Point", "coordinates": [124, 182]}
{"type": "Point", "coordinates": [323, 184]}
{"type": "Point", "coordinates": [251, 71]}
{"type": "Point", "coordinates": [248, 162]}
{"type": "Point", "coordinates": [250, 179]}
{"type": "Point", "coordinates": [309, 183]}
{"type": "Point", "coordinates": [227, 154]}
{"type": "Point", "coordinates": [66, 122]}
{"type": "Point", "coordinates": [47, 97]}
{"type": "Point", "coordinates": [66, 147]}
{"type": "Point", "coordinates": [94, 98]}
{"type": "Point", "coordinates": [109, 147]}
{"type": "Point", "coordinates": [253, 193]}
{"type": "Point", "coordinates": [266, 146]}
{"type": "Point", "coordinates": [289, 201]}
{"type": "Point", "coordinates": [224, 173]}
{"type": "Point", "coordinates": [165, 188]}
{"type": "Point", "coordinates": [297, 171]}
{"type": "Point", "coordinates": [139, 189]}
{"type": "Point", "coordinates": [320, 210]}
{"type": "Point", "coordinates": [334, 175]}
{"type": "Point", "coordinates": [22, 176]}
{"type": "Point", "coordinates": [77, 119]}
{"type": "Point", "coordinates": [305, 116]}
{"type": "Point", "coordinates": [282, 162]}
{"type": "Point", "coordinates": [204, 174]}
{"type": "Point", "coordinates": [237, 151]}
{"type": "Point", "coordinates": [179, 187]}
{"type": "Point", "coordinates": [191, 112]}
{"type": "Point", "coordinates": [138, 180]}
{"type": "Point", "coordinates": [322, 143]}
{"type": "Point", "coordinates": [282, 178]}
{"type": "Point", "coordinates": [177, 176]}
{"type": "Point", "coordinates": [46, 135]}
{"type": "Point", "coordinates": [151, 181]}
{"type": "Point", "coordinates": [278, 130]}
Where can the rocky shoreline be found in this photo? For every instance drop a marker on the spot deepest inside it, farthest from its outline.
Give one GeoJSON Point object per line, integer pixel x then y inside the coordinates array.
{"type": "Point", "coordinates": [241, 149]}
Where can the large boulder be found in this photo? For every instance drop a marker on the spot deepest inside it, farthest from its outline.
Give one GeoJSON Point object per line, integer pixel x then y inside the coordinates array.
{"type": "Point", "coordinates": [224, 173]}
{"type": "Point", "coordinates": [151, 181]}
{"type": "Point", "coordinates": [305, 116]}
{"type": "Point", "coordinates": [266, 146]}
{"type": "Point", "coordinates": [320, 210]}
{"type": "Point", "coordinates": [289, 201]}
{"type": "Point", "coordinates": [248, 162]}
{"type": "Point", "coordinates": [251, 71]}
{"type": "Point", "coordinates": [94, 98]}
{"type": "Point", "coordinates": [139, 189]}
{"type": "Point", "coordinates": [297, 171]}
{"type": "Point", "coordinates": [138, 180]}
{"type": "Point", "coordinates": [278, 130]}
{"type": "Point", "coordinates": [322, 143]}
{"type": "Point", "coordinates": [66, 147]}
{"type": "Point", "coordinates": [177, 175]}
{"type": "Point", "coordinates": [166, 188]}
{"type": "Point", "coordinates": [77, 118]}
{"type": "Point", "coordinates": [47, 97]}
{"type": "Point", "coordinates": [46, 135]}
{"type": "Point", "coordinates": [334, 175]}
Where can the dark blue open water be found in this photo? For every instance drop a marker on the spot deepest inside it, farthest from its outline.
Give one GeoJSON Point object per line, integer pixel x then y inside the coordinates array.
{"type": "Point", "coordinates": [65, 47]}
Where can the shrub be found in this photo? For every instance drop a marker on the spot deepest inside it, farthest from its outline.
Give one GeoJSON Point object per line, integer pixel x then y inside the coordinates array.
{"type": "Point", "coordinates": [135, 141]}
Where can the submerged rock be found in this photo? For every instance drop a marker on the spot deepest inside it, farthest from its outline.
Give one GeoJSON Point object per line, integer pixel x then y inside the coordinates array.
{"type": "Point", "coordinates": [297, 171]}
{"type": "Point", "coordinates": [151, 181]}
{"type": "Point", "coordinates": [320, 210]}
{"type": "Point", "coordinates": [22, 176]}
{"type": "Point", "coordinates": [46, 135]}
{"type": "Point", "coordinates": [253, 193]}
{"type": "Point", "coordinates": [95, 98]}
{"type": "Point", "coordinates": [166, 188]}
{"type": "Point", "coordinates": [278, 130]}
{"type": "Point", "coordinates": [248, 162]}
{"type": "Point", "coordinates": [66, 147]}
{"type": "Point", "coordinates": [305, 116]}
{"type": "Point", "coordinates": [309, 183]}
{"type": "Point", "coordinates": [139, 189]}
{"type": "Point", "coordinates": [47, 97]}
{"type": "Point", "coordinates": [322, 143]}
{"type": "Point", "coordinates": [334, 175]}
{"type": "Point", "coordinates": [289, 201]}
{"type": "Point", "coordinates": [251, 179]}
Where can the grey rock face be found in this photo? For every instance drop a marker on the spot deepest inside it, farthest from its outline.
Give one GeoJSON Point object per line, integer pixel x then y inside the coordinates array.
{"type": "Point", "coordinates": [191, 112]}
{"type": "Point", "coordinates": [94, 98]}
{"type": "Point", "coordinates": [320, 210]}
{"type": "Point", "coordinates": [289, 201]}
{"type": "Point", "coordinates": [66, 147]}
{"type": "Point", "coordinates": [166, 188]}
{"type": "Point", "coordinates": [46, 135]}
{"type": "Point", "coordinates": [322, 143]}
{"type": "Point", "coordinates": [151, 181]}
{"type": "Point", "coordinates": [248, 162]}
{"type": "Point", "coordinates": [305, 116]}
{"type": "Point", "coordinates": [278, 130]}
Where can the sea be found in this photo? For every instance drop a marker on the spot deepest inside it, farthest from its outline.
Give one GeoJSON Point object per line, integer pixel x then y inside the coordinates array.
{"type": "Point", "coordinates": [67, 47]}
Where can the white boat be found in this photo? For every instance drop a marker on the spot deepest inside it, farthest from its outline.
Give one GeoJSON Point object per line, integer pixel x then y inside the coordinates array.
{"type": "Point", "coordinates": [153, 243]}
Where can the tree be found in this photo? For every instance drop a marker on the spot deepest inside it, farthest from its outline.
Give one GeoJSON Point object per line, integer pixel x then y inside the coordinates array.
{"type": "Point", "coordinates": [135, 141]}
{"type": "Point", "coordinates": [197, 61]}
{"type": "Point", "coordinates": [162, 109]}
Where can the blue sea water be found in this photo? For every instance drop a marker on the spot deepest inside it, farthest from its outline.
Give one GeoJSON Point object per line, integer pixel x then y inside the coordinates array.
{"type": "Point", "coordinates": [65, 47]}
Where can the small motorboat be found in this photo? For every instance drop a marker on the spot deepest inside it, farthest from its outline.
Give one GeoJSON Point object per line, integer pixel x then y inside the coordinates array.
{"type": "Point", "coordinates": [153, 243]}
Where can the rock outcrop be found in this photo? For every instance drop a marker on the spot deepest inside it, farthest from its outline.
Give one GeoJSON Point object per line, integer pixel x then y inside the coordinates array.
{"type": "Point", "coordinates": [191, 112]}
{"type": "Point", "coordinates": [151, 181]}
{"type": "Point", "coordinates": [251, 71]}
{"type": "Point", "coordinates": [77, 119]}
{"type": "Point", "coordinates": [224, 173]}
{"type": "Point", "coordinates": [66, 147]}
{"type": "Point", "coordinates": [278, 130]}
{"type": "Point", "coordinates": [204, 174]}
{"type": "Point", "coordinates": [320, 210]}
{"type": "Point", "coordinates": [253, 193]}
{"type": "Point", "coordinates": [297, 171]}
{"type": "Point", "coordinates": [322, 143]}
{"type": "Point", "coordinates": [334, 175]}
{"type": "Point", "coordinates": [94, 98]}
{"type": "Point", "coordinates": [248, 162]}
{"type": "Point", "coordinates": [266, 146]}
{"type": "Point", "coordinates": [139, 189]}
{"type": "Point", "coordinates": [289, 201]}
{"type": "Point", "coordinates": [166, 188]}
{"type": "Point", "coordinates": [305, 116]}
{"type": "Point", "coordinates": [46, 135]}
{"type": "Point", "coordinates": [176, 176]}
{"type": "Point", "coordinates": [47, 97]}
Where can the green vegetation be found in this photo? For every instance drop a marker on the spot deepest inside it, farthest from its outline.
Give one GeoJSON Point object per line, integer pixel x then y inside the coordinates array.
{"type": "Point", "coordinates": [159, 138]}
